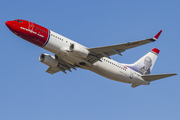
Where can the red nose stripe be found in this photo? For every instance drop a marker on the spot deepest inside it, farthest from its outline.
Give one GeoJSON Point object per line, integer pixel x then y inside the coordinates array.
{"type": "Point", "coordinates": [29, 31]}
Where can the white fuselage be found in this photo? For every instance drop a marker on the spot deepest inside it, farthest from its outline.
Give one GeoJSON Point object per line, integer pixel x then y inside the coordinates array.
{"type": "Point", "coordinates": [70, 54]}
{"type": "Point", "coordinates": [108, 68]}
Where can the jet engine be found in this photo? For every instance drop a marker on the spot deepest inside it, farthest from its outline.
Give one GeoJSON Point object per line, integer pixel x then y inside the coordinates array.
{"type": "Point", "coordinates": [48, 60]}
{"type": "Point", "coordinates": [78, 50]}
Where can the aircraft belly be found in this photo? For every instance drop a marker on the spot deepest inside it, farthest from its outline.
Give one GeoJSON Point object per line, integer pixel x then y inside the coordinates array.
{"type": "Point", "coordinates": [110, 72]}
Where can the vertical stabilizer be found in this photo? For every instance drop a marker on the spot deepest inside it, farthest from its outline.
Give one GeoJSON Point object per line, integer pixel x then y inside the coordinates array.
{"type": "Point", "coordinates": [145, 64]}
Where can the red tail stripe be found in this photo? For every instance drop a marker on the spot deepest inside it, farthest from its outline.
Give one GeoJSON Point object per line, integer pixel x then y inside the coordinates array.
{"type": "Point", "coordinates": [156, 50]}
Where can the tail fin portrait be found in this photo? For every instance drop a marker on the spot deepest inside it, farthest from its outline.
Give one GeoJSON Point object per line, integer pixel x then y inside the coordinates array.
{"type": "Point", "coordinates": [145, 64]}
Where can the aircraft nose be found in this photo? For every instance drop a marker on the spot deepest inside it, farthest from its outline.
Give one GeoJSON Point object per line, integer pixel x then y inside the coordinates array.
{"type": "Point", "coordinates": [7, 23]}
{"type": "Point", "coordinates": [10, 24]}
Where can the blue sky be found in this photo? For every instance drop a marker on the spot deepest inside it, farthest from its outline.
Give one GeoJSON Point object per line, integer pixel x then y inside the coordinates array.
{"type": "Point", "coordinates": [27, 92]}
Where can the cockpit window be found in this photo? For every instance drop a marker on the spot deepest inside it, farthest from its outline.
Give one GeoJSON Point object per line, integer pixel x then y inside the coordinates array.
{"type": "Point", "coordinates": [18, 21]}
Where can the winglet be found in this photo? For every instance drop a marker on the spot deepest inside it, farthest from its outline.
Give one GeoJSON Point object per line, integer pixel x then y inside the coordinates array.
{"type": "Point", "coordinates": [157, 35]}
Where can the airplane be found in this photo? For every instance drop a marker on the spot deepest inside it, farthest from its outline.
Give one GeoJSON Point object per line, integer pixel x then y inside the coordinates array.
{"type": "Point", "coordinates": [69, 55]}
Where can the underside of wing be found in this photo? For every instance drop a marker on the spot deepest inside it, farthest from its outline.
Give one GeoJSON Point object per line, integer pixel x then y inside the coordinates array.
{"type": "Point", "coordinates": [52, 70]}
{"type": "Point", "coordinates": [62, 66]}
{"type": "Point", "coordinates": [107, 51]}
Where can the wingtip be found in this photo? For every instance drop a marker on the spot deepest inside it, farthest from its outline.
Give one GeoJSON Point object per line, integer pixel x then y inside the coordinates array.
{"type": "Point", "coordinates": [157, 35]}
{"type": "Point", "coordinates": [175, 74]}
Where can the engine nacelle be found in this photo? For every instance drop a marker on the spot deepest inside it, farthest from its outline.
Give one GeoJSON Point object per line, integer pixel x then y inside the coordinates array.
{"type": "Point", "coordinates": [48, 60]}
{"type": "Point", "coordinates": [78, 50]}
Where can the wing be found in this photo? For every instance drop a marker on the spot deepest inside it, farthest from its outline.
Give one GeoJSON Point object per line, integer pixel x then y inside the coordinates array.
{"type": "Point", "coordinates": [62, 66]}
{"type": "Point", "coordinates": [117, 49]}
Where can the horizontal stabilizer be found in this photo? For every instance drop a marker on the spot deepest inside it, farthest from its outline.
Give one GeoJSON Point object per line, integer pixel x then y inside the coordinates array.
{"type": "Point", "coordinates": [156, 77]}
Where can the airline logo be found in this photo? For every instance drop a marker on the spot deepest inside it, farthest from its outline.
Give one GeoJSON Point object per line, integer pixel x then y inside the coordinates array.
{"type": "Point", "coordinates": [146, 63]}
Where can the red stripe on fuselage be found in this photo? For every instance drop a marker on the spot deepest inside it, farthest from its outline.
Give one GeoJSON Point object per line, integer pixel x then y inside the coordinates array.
{"type": "Point", "coordinates": [29, 31]}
